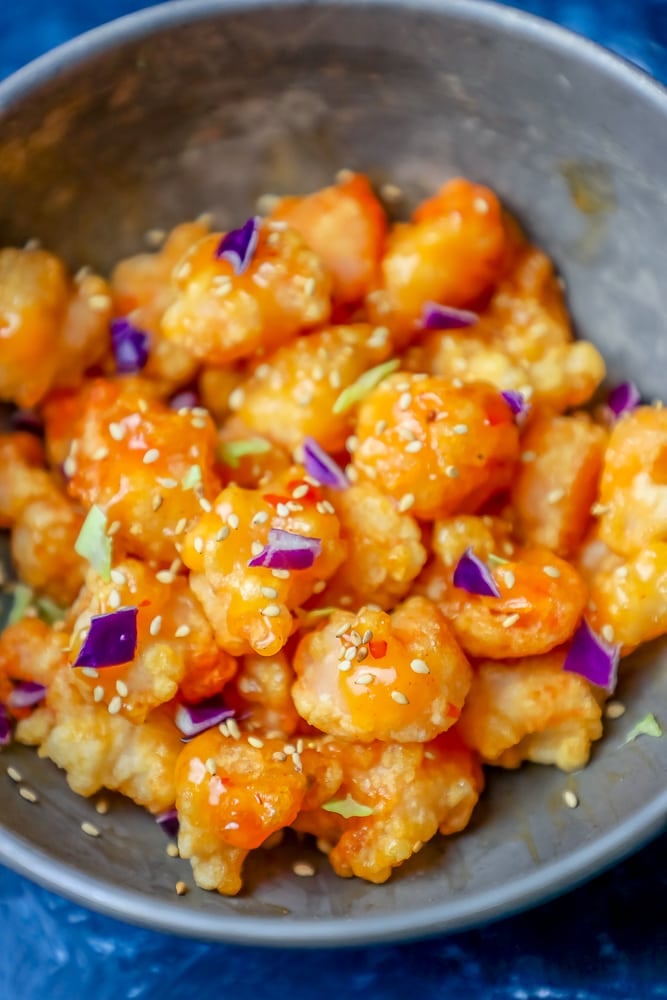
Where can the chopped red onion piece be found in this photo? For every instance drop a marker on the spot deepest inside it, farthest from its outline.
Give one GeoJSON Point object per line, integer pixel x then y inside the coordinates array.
{"type": "Point", "coordinates": [516, 402]}
{"type": "Point", "coordinates": [593, 658]}
{"type": "Point", "coordinates": [111, 639]}
{"type": "Point", "coordinates": [322, 467]}
{"type": "Point", "coordinates": [5, 727]}
{"type": "Point", "coordinates": [168, 820]}
{"type": "Point", "coordinates": [27, 420]}
{"type": "Point", "coordinates": [26, 694]}
{"type": "Point", "coordinates": [130, 346]}
{"type": "Point", "coordinates": [238, 246]}
{"type": "Point", "coordinates": [437, 317]}
{"type": "Point", "coordinates": [287, 550]}
{"type": "Point", "coordinates": [474, 576]}
{"type": "Point", "coordinates": [623, 398]}
{"type": "Point", "coordinates": [185, 399]}
{"type": "Point", "coordinates": [195, 719]}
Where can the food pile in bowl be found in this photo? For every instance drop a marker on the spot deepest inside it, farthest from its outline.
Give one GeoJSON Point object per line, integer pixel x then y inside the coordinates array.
{"type": "Point", "coordinates": [313, 518]}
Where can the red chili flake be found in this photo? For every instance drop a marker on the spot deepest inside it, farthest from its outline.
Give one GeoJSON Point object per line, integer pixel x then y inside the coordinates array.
{"type": "Point", "coordinates": [313, 494]}
{"type": "Point", "coordinates": [377, 648]}
{"type": "Point", "coordinates": [145, 603]}
{"type": "Point", "coordinates": [274, 499]}
{"type": "Point", "coordinates": [452, 711]}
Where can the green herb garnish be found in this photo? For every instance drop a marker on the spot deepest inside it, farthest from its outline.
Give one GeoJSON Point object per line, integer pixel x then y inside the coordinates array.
{"type": "Point", "coordinates": [347, 807]}
{"type": "Point", "coordinates": [364, 384]}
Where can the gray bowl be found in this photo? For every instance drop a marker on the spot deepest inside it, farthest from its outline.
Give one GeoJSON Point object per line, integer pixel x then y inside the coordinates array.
{"type": "Point", "coordinates": [205, 105]}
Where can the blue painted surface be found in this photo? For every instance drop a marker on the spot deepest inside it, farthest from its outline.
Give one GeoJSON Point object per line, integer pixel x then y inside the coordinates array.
{"type": "Point", "coordinates": [605, 941]}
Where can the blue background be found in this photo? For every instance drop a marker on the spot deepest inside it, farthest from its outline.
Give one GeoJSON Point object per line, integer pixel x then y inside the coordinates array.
{"type": "Point", "coordinates": [605, 941]}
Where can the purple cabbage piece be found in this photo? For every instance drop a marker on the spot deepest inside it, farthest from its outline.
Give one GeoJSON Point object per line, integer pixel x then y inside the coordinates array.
{"type": "Point", "coordinates": [192, 720]}
{"type": "Point", "coordinates": [130, 346]}
{"type": "Point", "coordinates": [474, 576]}
{"type": "Point", "coordinates": [287, 550]}
{"type": "Point", "coordinates": [26, 694]}
{"type": "Point", "coordinates": [322, 467]}
{"type": "Point", "coordinates": [437, 317]}
{"type": "Point", "coordinates": [623, 398]}
{"type": "Point", "coordinates": [5, 727]}
{"type": "Point", "coordinates": [111, 639]}
{"type": "Point", "coordinates": [516, 402]}
{"type": "Point", "coordinates": [593, 658]}
{"type": "Point", "coordinates": [168, 820]}
{"type": "Point", "coordinates": [238, 246]}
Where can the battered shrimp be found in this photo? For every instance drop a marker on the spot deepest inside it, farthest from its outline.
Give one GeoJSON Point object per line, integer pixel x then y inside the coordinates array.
{"type": "Point", "coordinates": [23, 476]}
{"type": "Point", "coordinates": [542, 599]}
{"type": "Point", "coordinates": [451, 253]}
{"type": "Point", "coordinates": [387, 549]}
{"type": "Point", "coordinates": [412, 790]}
{"type": "Point", "coordinates": [558, 481]}
{"type": "Point", "coordinates": [628, 600]}
{"type": "Point", "coordinates": [346, 227]}
{"type": "Point", "coordinates": [219, 316]}
{"type": "Point", "coordinates": [633, 488]}
{"type": "Point", "coordinates": [531, 710]}
{"type": "Point", "coordinates": [47, 318]}
{"type": "Point", "coordinates": [436, 447]}
{"type": "Point", "coordinates": [175, 643]}
{"type": "Point", "coordinates": [261, 695]}
{"type": "Point", "coordinates": [292, 394]}
{"type": "Point", "coordinates": [143, 289]}
{"type": "Point", "coordinates": [231, 796]}
{"type": "Point", "coordinates": [98, 750]}
{"type": "Point", "coordinates": [250, 607]}
{"type": "Point", "coordinates": [373, 676]}
{"type": "Point", "coordinates": [148, 467]}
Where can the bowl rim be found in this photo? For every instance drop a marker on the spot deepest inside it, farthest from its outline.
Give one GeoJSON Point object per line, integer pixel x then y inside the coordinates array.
{"type": "Point", "coordinates": [550, 879]}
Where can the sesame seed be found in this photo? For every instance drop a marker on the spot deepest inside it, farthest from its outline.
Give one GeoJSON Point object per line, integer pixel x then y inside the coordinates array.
{"type": "Point", "coordinates": [404, 400]}
{"type": "Point", "coordinates": [164, 576]}
{"type": "Point", "coordinates": [14, 774]}
{"type": "Point", "coordinates": [344, 666]}
{"type": "Point", "coordinates": [211, 765]}
{"type": "Point", "coordinates": [233, 727]}
{"type": "Point", "coordinates": [406, 502]}
{"type": "Point", "coordinates": [607, 633]}
{"type": "Point", "coordinates": [614, 710]}
{"type": "Point", "coordinates": [570, 799]}
{"type": "Point", "coordinates": [380, 427]}
{"type": "Point", "coordinates": [135, 529]}
{"type": "Point", "coordinates": [114, 598]}
{"type": "Point", "coordinates": [255, 742]}
{"type": "Point", "coordinates": [452, 472]}
{"type": "Point", "coordinates": [256, 548]}
{"type": "Point", "coordinates": [350, 653]}
{"type": "Point", "coordinates": [166, 482]}
{"type": "Point", "coordinates": [100, 453]}
{"type": "Point", "coordinates": [171, 850]}
{"type": "Point", "coordinates": [118, 577]}
{"type": "Point", "coordinates": [528, 456]}
{"type": "Point", "coordinates": [399, 698]}
{"type": "Point", "coordinates": [198, 544]}
{"type": "Point", "coordinates": [355, 638]}
{"type": "Point", "coordinates": [278, 756]}
{"type": "Point", "coordinates": [270, 592]}
{"type": "Point", "coordinates": [261, 517]}
{"type": "Point", "coordinates": [69, 466]}
{"type": "Point", "coordinates": [113, 528]}
{"type": "Point", "coordinates": [296, 761]}
{"type": "Point", "coordinates": [509, 578]}
{"type": "Point", "coordinates": [551, 571]}
{"type": "Point", "coordinates": [319, 586]}
{"type": "Point", "coordinates": [413, 447]}
{"type": "Point", "coordinates": [90, 829]}
{"type": "Point", "coordinates": [555, 496]}
{"type": "Point", "coordinates": [233, 521]}
{"type": "Point", "coordinates": [419, 666]}
{"type": "Point", "coordinates": [282, 510]}
{"type": "Point", "coordinates": [122, 689]}
{"type": "Point", "coordinates": [222, 534]}
{"type": "Point", "coordinates": [117, 431]}
{"type": "Point", "coordinates": [181, 889]}
{"type": "Point", "coordinates": [150, 456]}
{"type": "Point", "coordinates": [89, 671]}
{"type": "Point", "coordinates": [289, 749]}
{"type": "Point", "coordinates": [270, 611]}
{"type": "Point", "coordinates": [115, 705]}
{"type": "Point", "coordinates": [27, 794]}
{"type": "Point", "coordinates": [300, 491]}
{"type": "Point", "coordinates": [98, 693]}
{"type": "Point", "coordinates": [102, 807]}
{"type": "Point", "coordinates": [598, 509]}
{"type": "Point", "coordinates": [364, 679]}
{"type": "Point", "coordinates": [335, 380]}
{"type": "Point", "coordinates": [157, 502]}
{"type": "Point", "coordinates": [303, 869]}
{"type": "Point", "coordinates": [182, 631]}
{"type": "Point", "coordinates": [460, 428]}
{"type": "Point", "coordinates": [510, 620]}
{"type": "Point", "coordinates": [198, 423]}
{"type": "Point", "coordinates": [367, 636]}
{"type": "Point", "coordinates": [353, 475]}
{"type": "Point", "coordinates": [280, 574]}
{"type": "Point", "coordinates": [236, 398]}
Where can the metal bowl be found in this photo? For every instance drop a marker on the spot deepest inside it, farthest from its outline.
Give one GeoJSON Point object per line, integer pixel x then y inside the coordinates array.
{"type": "Point", "coordinates": [202, 106]}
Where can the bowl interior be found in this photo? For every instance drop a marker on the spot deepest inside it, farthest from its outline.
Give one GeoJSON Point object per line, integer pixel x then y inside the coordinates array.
{"type": "Point", "coordinates": [203, 107]}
